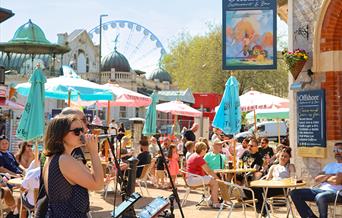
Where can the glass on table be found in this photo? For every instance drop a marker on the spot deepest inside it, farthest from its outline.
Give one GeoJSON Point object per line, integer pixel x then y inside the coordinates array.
{"type": "Point", "coordinates": [293, 178]}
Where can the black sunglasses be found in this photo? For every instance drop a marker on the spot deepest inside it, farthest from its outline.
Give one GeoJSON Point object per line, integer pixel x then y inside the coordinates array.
{"type": "Point", "coordinates": [77, 131]}
{"type": "Point", "coordinates": [29, 145]}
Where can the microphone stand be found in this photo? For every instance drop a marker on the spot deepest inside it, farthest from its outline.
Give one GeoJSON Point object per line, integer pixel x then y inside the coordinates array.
{"type": "Point", "coordinates": [119, 177]}
{"type": "Point", "coordinates": [174, 195]}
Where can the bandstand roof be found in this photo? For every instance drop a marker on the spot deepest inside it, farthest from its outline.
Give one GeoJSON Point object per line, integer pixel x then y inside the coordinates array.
{"type": "Point", "coordinates": [30, 39]}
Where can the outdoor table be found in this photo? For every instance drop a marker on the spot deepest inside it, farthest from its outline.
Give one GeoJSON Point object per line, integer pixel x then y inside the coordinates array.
{"type": "Point", "coordinates": [285, 184]}
{"type": "Point", "coordinates": [236, 171]}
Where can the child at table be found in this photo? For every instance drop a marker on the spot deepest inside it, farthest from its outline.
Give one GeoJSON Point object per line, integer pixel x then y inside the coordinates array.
{"type": "Point", "coordinates": [173, 162]}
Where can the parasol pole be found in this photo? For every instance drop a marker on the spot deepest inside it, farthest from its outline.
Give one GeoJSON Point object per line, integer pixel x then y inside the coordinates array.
{"type": "Point", "coordinates": [69, 93]}
{"type": "Point", "coordinates": [278, 131]}
{"type": "Point", "coordinates": [234, 147]}
{"type": "Point", "coordinates": [108, 113]}
{"type": "Point", "coordinates": [36, 151]}
{"type": "Point", "coordinates": [255, 121]}
{"type": "Point", "coordinates": [106, 141]}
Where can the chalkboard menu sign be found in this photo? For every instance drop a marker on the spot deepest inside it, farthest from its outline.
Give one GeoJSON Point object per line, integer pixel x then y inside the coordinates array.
{"type": "Point", "coordinates": [311, 122]}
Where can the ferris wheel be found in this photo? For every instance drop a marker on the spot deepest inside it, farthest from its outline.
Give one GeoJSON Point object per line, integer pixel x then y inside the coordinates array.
{"type": "Point", "coordinates": [139, 45]}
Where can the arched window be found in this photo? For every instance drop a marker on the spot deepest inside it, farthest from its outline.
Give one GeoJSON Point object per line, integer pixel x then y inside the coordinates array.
{"type": "Point", "coordinates": [81, 62]}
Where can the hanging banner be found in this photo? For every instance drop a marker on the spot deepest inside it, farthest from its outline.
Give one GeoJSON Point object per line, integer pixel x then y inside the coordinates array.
{"type": "Point", "coordinates": [249, 34]}
{"type": "Point", "coordinates": [311, 138]}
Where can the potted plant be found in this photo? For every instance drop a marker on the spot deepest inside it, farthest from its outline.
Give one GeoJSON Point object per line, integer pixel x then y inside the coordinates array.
{"type": "Point", "coordinates": [295, 61]}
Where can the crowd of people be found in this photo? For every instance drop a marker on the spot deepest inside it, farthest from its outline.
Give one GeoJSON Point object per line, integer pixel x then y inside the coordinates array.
{"type": "Point", "coordinates": [202, 157]}
{"type": "Point", "coordinates": [64, 189]}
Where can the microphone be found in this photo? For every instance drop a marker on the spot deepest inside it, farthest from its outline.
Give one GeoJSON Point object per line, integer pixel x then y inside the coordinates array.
{"type": "Point", "coordinates": [93, 126]}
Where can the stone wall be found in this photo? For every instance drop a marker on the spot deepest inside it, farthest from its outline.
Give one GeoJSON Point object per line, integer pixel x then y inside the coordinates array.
{"type": "Point", "coordinates": [307, 17]}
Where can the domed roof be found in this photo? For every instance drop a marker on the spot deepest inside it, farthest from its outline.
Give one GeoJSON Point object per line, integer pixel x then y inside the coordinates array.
{"type": "Point", "coordinates": [160, 74]}
{"type": "Point", "coordinates": [30, 32]}
{"type": "Point", "coordinates": [115, 60]}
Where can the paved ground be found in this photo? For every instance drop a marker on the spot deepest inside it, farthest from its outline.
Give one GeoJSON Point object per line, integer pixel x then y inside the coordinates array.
{"type": "Point", "coordinates": [101, 207]}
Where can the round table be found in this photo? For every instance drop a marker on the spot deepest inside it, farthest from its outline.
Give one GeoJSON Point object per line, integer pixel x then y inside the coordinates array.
{"type": "Point", "coordinates": [245, 172]}
{"type": "Point", "coordinates": [285, 184]}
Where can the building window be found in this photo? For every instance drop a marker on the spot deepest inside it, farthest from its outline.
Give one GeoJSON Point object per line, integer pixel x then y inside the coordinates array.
{"type": "Point", "coordinates": [123, 112]}
{"type": "Point", "coordinates": [137, 112]}
{"type": "Point", "coordinates": [87, 64]}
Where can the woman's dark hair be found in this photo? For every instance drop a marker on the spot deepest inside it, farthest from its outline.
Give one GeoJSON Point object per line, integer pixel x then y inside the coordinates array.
{"type": "Point", "coordinates": [169, 151]}
{"type": "Point", "coordinates": [287, 150]}
{"type": "Point", "coordinates": [22, 149]}
{"type": "Point", "coordinates": [57, 129]}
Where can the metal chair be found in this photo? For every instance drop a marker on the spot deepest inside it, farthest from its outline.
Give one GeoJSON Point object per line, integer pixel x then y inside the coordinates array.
{"type": "Point", "coordinates": [143, 177]}
{"type": "Point", "coordinates": [338, 194]}
{"type": "Point", "coordinates": [204, 188]}
{"type": "Point", "coordinates": [232, 194]}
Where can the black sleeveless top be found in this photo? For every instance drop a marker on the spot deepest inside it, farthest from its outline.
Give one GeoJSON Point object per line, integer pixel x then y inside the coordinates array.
{"type": "Point", "coordinates": [65, 200]}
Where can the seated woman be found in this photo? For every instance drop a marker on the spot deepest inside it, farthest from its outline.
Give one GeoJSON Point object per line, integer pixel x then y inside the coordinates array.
{"type": "Point", "coordinates": [280, 171]}
{"type": "Point", "coordinates": [102, 153]}
{"type": "Point", "coordinates": [25, 154]}
{"type": "Point", "coordinates": [122, 152]}
{"type": "Point", "coordinates": [197, 165]}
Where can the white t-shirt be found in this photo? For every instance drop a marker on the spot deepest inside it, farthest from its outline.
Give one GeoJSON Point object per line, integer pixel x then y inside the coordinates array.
{"type": "Point", "coordinates": [113, 127]}
{"type": "Point", "coordinates": [30, 182]}
{"type": "Point", "coordinates": [240, 150]}
{"type": "Point", "coordinates": [280, 172]}
{"type": "Point", "coordinates": [331, 168]}
{"type": "Point", "coordinates": [153, 149]}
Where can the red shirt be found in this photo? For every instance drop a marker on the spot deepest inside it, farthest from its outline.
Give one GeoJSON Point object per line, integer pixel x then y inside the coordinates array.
{"type": "Point", "coordinates": [194, 164]}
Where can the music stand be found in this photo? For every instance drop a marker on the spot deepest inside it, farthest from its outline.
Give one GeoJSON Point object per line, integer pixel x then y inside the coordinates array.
{"type": "Point", "coordinates": [126, 204]}
{"type": "Point", "coordinates": [154, 208]}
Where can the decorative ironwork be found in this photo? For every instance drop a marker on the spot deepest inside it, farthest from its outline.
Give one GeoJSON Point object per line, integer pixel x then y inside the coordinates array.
{"type": "Point", "coordinates": [303, 31]}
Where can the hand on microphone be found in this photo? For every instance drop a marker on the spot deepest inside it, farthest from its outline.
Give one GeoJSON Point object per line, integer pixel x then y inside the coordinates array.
{"type": "Point", "coordinates": [91, 142]}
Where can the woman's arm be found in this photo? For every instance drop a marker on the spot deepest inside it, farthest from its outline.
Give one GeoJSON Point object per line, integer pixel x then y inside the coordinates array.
{"type": "Point", "coordinates": [292, 169]}
{"type": "Point", "coordinates": [270, 173]}
{"type": "Point", "coordinates": [206, 168]}
{"type": "Point", "coordinates": [78, 173]}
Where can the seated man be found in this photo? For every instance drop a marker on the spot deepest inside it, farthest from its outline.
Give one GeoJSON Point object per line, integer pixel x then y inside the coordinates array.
{"type": "Point", "coordinates": [214, 158]}
{"type": "Point", "coordinates": [330, 182]}
{"type": "Point", "coordinates": [253, 159]}
{"type": "Point", "coordinates": [8, 163]}
{"type": "Point", "coordinates": [144, 157]}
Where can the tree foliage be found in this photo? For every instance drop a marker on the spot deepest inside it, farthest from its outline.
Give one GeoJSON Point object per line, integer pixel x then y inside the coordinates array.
{"type": "Point", "coordinates": [196, 63]}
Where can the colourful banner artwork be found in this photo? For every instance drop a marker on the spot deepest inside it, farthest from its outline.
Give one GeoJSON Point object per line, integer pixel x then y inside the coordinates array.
{"type": "Point", "coordinates": [249, 34]}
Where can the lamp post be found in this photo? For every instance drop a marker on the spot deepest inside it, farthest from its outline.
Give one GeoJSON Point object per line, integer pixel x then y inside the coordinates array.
{"type": "Point", "coordinates": [100, 45]}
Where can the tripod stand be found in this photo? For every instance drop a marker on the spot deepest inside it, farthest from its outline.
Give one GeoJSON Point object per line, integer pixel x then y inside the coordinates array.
{"type": "Point", "coordinates": [174, 195]}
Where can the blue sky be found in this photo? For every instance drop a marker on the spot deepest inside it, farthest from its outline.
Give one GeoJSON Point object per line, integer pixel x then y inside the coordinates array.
{"type": "Point", "coordinates": [165, 18]}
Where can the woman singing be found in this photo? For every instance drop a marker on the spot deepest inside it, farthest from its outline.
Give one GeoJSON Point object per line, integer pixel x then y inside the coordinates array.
{"type": "Point", "coordinates": [67, 180]}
